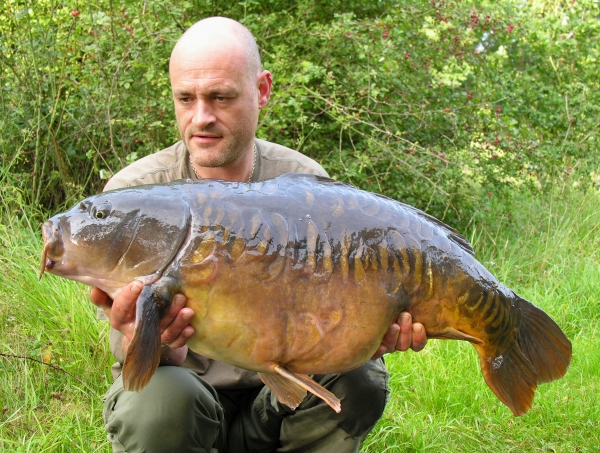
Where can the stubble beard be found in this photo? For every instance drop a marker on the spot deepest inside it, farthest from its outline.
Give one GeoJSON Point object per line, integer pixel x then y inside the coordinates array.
{"type": "Point", "coordinates": [234, 143]}
{"type": "Point", "coordinates": [216, 158]}
{"type": "Point", "coordinates": [211, 156]}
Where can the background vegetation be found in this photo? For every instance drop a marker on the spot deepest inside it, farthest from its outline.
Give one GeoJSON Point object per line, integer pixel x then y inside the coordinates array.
{"type": "Point", "coordinates": [442, 104]}
{"type": "Point", "coordinates": [486, 114]}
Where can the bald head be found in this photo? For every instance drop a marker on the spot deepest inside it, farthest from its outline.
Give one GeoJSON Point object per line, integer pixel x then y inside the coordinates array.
{"type": "Point", "coordinates": [219, 35]}
{"type": "Point", "coordinates": [218, 90]}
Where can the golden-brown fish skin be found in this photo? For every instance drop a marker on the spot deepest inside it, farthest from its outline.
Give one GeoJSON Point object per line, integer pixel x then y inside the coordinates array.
{"type": "Point", "coordinates": [303, 274]}
{"type": "Point", "coordinates": [336, 281]}
{"type": "Point", "coordinates": [340, 265]}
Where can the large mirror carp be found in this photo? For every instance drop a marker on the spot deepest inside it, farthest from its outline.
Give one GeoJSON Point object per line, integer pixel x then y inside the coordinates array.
{"type": "Point", "coordinates": [298, 275]}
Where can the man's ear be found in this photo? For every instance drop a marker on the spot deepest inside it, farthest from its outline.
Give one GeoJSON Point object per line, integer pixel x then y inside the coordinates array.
{"type": "Point", "coordinates": [265, 82]}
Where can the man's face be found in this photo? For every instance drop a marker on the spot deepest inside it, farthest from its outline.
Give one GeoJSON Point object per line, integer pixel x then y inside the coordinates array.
{"type": "Point", "coordinates": [216, 104]}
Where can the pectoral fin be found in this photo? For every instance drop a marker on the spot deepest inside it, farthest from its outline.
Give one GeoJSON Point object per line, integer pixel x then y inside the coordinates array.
{"type": "Point", "coordinates": [452, 334]}
{"type": "Point", "coordinates": [290, 388]}
{"type": "Point", "coordinates": [143, 355]}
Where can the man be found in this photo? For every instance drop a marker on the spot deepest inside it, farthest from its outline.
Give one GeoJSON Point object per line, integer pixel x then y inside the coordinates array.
{"type": "Point", "coordinates": [199, 405]}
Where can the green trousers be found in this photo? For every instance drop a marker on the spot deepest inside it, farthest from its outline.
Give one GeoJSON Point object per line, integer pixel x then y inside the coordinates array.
{"type": "Point", "coordinates": [179, 412]}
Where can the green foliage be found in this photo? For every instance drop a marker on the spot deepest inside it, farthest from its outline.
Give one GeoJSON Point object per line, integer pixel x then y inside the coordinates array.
{"type": "Point", "coordinates": [442, 104]}
{"type": "Point", "coordinates": [79, 97]}
{"type": "Point", "coordinates": [434, 103]}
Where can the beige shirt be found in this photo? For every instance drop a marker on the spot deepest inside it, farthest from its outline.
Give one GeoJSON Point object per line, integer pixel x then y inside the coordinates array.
{"type": "Point", "coordinates": [171, 164]}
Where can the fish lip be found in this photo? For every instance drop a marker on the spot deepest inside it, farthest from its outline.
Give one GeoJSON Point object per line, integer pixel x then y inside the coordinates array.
{"type": "Point", "coordinates": [43, 261]}
{"type": "Point", "coordinates": [46, 233]}
{"type": "Point", "coordinates": [52, 244]}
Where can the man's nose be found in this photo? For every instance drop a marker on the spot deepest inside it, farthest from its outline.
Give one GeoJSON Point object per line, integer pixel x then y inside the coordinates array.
{"type": "Point", "coordinates": [203, 114]}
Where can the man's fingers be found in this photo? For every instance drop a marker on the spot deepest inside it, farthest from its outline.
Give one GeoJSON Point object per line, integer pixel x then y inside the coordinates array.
{"type": "Point", "coordinates": [388, 343]}
{"type": "Point", "coordinates": [405, 337]}
{"type": "Point", "coordinates": [380, 352]}
{"type": "Point", "coordinates": [412, 336]}
{"type": "Point", "coordinates": [391, 337]}
{"type": "Point", "coordinates": [177, 304]}
{"type": "Point", "coordinates": [175, 327]}
{"type": "Point", "coordinates": [183, 337]}
{"type": "Point", "coordinates": [100, 298]}
{"type": "Point", "coordinates": [179, 331]}
{"type": "Point", "coordinates": [419, 337]}
{"type": "Point", "coordinates": [123, 307]}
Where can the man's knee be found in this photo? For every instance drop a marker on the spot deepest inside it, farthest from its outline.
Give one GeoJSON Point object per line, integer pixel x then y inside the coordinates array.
{"type": "Point", "coordinates": [364, 394]}
{"type": "Point", "coordinates": [176, 410]}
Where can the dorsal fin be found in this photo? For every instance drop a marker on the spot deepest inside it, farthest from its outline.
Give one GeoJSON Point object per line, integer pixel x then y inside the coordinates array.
{"type": "Point", "coordinates": [452, 234]}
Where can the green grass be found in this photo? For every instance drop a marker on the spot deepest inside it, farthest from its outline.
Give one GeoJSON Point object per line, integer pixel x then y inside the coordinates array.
{"type": "Point", "coordinates": [547, 251]}
{"type": "Point", "coordinates": [44, 409]}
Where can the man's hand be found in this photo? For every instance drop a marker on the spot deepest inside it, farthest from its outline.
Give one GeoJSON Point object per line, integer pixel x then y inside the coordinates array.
{"type": "Point", "coordinates": [403, 335]}
{"type": "Point", "coordinates": [174, 327]}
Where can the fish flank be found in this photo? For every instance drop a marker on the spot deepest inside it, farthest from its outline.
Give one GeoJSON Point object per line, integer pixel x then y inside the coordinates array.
{"type": "Point", "coordinates": [359, 270]}
{"type": "Point", "coordinates": [312, 236]}
{"type": "Point", "coordinates": [326, 260]}
{"type": "Point", "coordinates": [338, 210]}
{"type": "Point", "coordinates": [218, 222]}
{"type": "Point", "coordinates": [463, 298]}
{"type": "Point", "coordinates": [310, 198]}
{"type": "Point", "coordinates": [399, 252]}
{"type": "Point", "coordinates": [344, 255]}
{"type": "Point", "coordinates": [255, 224]}
{"type": "Point", "coordinates": [414, 279]}
{"type": "Point", "coordinates": [494, 309]}
{"type": "Point", "coordinates": [397, 276]}
{"type": "Point", "coordinates": [428, 278]}
{"type": "Point", "coordinates": [472, 307]}
{"type": "Point", "coordinates": [384, 256]}
{"type": "Point", "coordinates": [500, 314]}
{"type": "Point", "coordinates": [373, 259]}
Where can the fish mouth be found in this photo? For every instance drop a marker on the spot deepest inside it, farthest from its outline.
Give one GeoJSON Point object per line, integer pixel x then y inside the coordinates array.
{"type": "Point", "coordinates": [53, 247]}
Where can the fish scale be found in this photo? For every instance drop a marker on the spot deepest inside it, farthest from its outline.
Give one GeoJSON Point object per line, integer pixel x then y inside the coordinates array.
{"type": "Point", "coordinates": [299, 275]}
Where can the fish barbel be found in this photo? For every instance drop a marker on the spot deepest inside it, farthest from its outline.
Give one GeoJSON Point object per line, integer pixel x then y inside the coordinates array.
{"type": "Point", "coordinates": [298, 275]}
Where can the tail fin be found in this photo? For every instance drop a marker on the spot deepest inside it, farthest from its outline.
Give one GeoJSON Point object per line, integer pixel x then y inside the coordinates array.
{"type": "Point", "coordinates": [543, 343]}
{"type": "Point", "coordinates": [540, 353]}
{"type": "Point", "coordinates": [143, 354]}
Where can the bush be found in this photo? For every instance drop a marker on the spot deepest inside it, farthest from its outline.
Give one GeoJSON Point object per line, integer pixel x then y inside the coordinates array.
{"type": "Point", "coordinates": [439, 104]}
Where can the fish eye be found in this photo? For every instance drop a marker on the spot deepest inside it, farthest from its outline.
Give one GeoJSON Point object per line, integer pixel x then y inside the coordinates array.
{"type": "Point", "coordinates": [102, 211]}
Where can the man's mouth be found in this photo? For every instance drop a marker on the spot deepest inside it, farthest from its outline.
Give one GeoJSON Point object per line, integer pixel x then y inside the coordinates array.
{"type": "Point", "coordinates": [206, 138]}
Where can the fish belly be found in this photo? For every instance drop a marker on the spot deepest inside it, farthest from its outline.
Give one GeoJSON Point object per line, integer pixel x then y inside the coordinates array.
{"type": "Point", "coordinates": [304, 323]}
